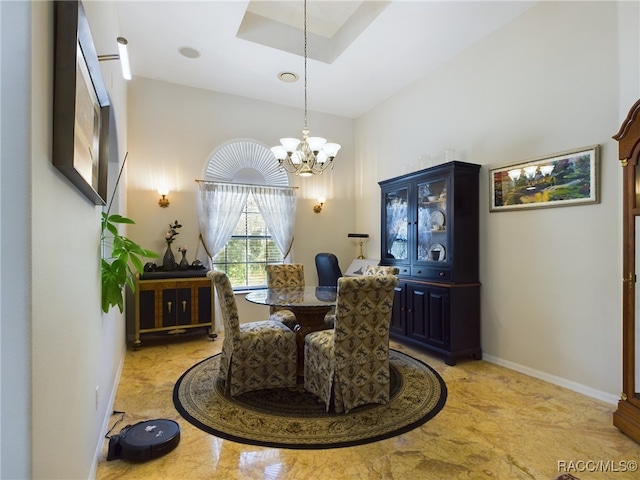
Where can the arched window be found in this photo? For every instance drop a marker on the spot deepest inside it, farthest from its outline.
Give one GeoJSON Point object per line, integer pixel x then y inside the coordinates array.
{"type": "Point", "coordinates": [243, 193]}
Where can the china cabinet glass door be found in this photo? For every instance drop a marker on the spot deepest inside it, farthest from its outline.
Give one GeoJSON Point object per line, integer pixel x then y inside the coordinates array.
{"type": "Point", "coordinates": [630, 282]}
{"type": "Point", "coordinates": [432, 222]}
{"type": "Point", "coordinates": [635, 319]}
{"type": "Point", "coordinates": [397, 221]}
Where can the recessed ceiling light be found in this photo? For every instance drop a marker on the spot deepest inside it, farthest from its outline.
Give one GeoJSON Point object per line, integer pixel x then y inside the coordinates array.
{"type": "Point", "coordinates": [189, 52]}
{"type": "Point", "coordinates": [288, 77]}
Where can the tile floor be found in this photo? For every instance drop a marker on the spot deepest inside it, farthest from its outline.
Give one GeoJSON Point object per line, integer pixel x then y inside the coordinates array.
{"type": "Point", "coordinates": [497, 424]}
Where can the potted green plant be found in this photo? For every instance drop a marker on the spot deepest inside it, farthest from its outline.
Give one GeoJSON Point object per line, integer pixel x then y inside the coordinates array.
{"type": "Point", "coordinates": [119, 253]}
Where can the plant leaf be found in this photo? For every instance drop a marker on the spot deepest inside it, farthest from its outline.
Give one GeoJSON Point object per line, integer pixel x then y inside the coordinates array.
{"type": "Point", "coordinates": [115, 218]}
{"type": "Point", "coordinates": [137, 263]}
{"type": "Point", "coordinates": [115, 270]}
{"type": "Point", "coordinates": [112, 229]}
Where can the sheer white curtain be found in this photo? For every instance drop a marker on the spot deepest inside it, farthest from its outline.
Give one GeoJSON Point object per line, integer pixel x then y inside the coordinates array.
{"type": "Point", "coordinates": [278, 208]}
{"type": "Point", "coordinates": [219, 208]}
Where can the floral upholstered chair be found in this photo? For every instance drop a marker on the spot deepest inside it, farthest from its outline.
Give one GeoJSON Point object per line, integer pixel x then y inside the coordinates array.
{"type": "Point", "coordinates": [255, 355]}
{"type": "Point", "coordinates": [284, 275]}
{"type": "Point", "coordinates": [350, 364]}
{"type": "Point", "coordinates": [330, 319]}
{"type": "Point", "coordinates": [380, 270]}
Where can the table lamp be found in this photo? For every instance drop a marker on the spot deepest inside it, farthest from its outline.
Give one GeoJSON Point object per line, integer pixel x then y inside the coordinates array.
{"type": "Point", "coordinates": [360, 236]}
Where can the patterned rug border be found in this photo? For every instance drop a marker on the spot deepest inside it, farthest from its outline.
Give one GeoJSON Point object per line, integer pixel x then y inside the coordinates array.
{"type": "Point", "coordinates": [434, 408]}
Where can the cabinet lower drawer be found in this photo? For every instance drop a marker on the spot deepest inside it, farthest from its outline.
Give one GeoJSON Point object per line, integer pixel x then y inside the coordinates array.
{"type": "Point", "coordinates": [441, 274]}
{"type": "Point", "coordinates": [404, 271]}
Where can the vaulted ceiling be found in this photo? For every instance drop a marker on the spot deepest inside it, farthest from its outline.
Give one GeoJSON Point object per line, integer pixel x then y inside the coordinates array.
{"type": "Point", "coordinates": [359, 52]}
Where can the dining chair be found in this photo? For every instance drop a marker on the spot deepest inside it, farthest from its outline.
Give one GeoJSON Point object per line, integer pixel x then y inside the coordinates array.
{"type": "Point", "coordinates": [284, 275]}
{"type": "Point", "coordinates": [329, 272]}
{"type": "Point", "coordinates": [380, 270]}
{"type": "Point", "coordinates": [256, 355]}
{"type": "Point", "coordinates": [328, 269]}
{"type": "Point", "coordinates": [348, 366]}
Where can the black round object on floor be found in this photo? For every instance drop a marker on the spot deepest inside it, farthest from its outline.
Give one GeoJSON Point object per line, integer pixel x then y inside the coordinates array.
{"type": "Point", "coordinates": [144, 440]}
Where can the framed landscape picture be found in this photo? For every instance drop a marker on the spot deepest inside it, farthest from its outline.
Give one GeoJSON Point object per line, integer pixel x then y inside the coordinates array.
{"type": "Point", "coordinates": [563, 179]}
{"type": "Point", "coordinates": [80, 104]}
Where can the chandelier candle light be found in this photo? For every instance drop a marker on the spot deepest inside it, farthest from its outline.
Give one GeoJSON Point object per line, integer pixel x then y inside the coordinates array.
{"type": "Point", "coordinates": [312, 155]}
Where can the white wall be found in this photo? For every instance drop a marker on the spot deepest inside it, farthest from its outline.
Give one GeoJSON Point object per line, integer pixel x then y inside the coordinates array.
{"type": "Point", "coordinates": [173, 130]}
{"type": "Point", "coordinates": [551, 278]}
{"type": "Point", "coordinates": [15, 239]}
{"type": "Point", "coordinates": [109, 356]}
{"type": "Point", "coordinates": [75, 348]}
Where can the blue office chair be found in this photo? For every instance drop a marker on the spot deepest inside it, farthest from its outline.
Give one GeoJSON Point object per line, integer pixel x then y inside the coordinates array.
{"type": "Point", "coordinates": [328, 270]}
{"type": "Point", "coordinates": [328, 274]}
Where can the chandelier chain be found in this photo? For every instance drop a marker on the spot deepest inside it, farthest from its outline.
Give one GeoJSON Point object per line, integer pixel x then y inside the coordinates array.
{"type": "Point", "coordinates": [305, 64]}
{"type": "Point", "coordinates": [312, 155]}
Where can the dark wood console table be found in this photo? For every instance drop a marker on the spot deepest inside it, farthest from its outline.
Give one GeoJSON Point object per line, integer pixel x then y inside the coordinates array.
{"type": "Point", "coordinates": [173, 302]}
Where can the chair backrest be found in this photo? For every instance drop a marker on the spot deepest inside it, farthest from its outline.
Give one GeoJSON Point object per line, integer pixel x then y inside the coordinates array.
{"type": "Point", "coordinates": [285, 275]}
{"type": "Point", "coordinates": [380, 270]}
{"type": "Point", "coordinates": [328, 269]}
{"type": "Point", "coordinates": [227, 301]}
{"type": "Point", "coordinates": [363, 315]}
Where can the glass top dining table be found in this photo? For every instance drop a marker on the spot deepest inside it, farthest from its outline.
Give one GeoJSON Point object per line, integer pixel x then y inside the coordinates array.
{"type": "Point", "coordinates": [303, 297]}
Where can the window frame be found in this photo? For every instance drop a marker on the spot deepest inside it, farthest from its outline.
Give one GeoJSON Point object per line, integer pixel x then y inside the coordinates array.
{"type": "Point", "coordinates": [247, 238]}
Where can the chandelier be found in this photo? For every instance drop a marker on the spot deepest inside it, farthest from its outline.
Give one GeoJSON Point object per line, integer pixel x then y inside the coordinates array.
{"type": "Point", "coordinates": [312, 155]}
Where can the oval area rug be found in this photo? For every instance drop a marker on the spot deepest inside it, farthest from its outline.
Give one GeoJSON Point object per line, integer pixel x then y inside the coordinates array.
{"type": "Point", "coordinates": [294, 418]}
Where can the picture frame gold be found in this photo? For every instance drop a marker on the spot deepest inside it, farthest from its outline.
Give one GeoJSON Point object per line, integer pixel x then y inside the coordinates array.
{"type": "Point", "coordinates": [559, 180]}
{"type": "Point", "coordinates": [81, 105]}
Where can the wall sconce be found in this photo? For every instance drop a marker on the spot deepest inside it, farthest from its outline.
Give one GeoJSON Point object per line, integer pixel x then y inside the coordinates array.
{"type": "Point", "coordinates": [122, 55]}
{"type": "Point", "coordinates": [318, 208]}
{"type": "Point", "coordinates": [164, 201]}
{"type": "Point", "coordinates": [360, 236]}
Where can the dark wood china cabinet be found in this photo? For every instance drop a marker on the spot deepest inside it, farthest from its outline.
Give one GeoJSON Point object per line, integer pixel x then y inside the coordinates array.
{"type": "Point", "coordinates": [627, 416]}
{"type": "Point", "coordinates": [430, 232]}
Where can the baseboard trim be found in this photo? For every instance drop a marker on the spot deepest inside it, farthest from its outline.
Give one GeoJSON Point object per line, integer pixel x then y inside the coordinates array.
{"type": "Point", "coordinates": [562, 382]}
{"type": "Point", "coordinates": [108, 417]}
